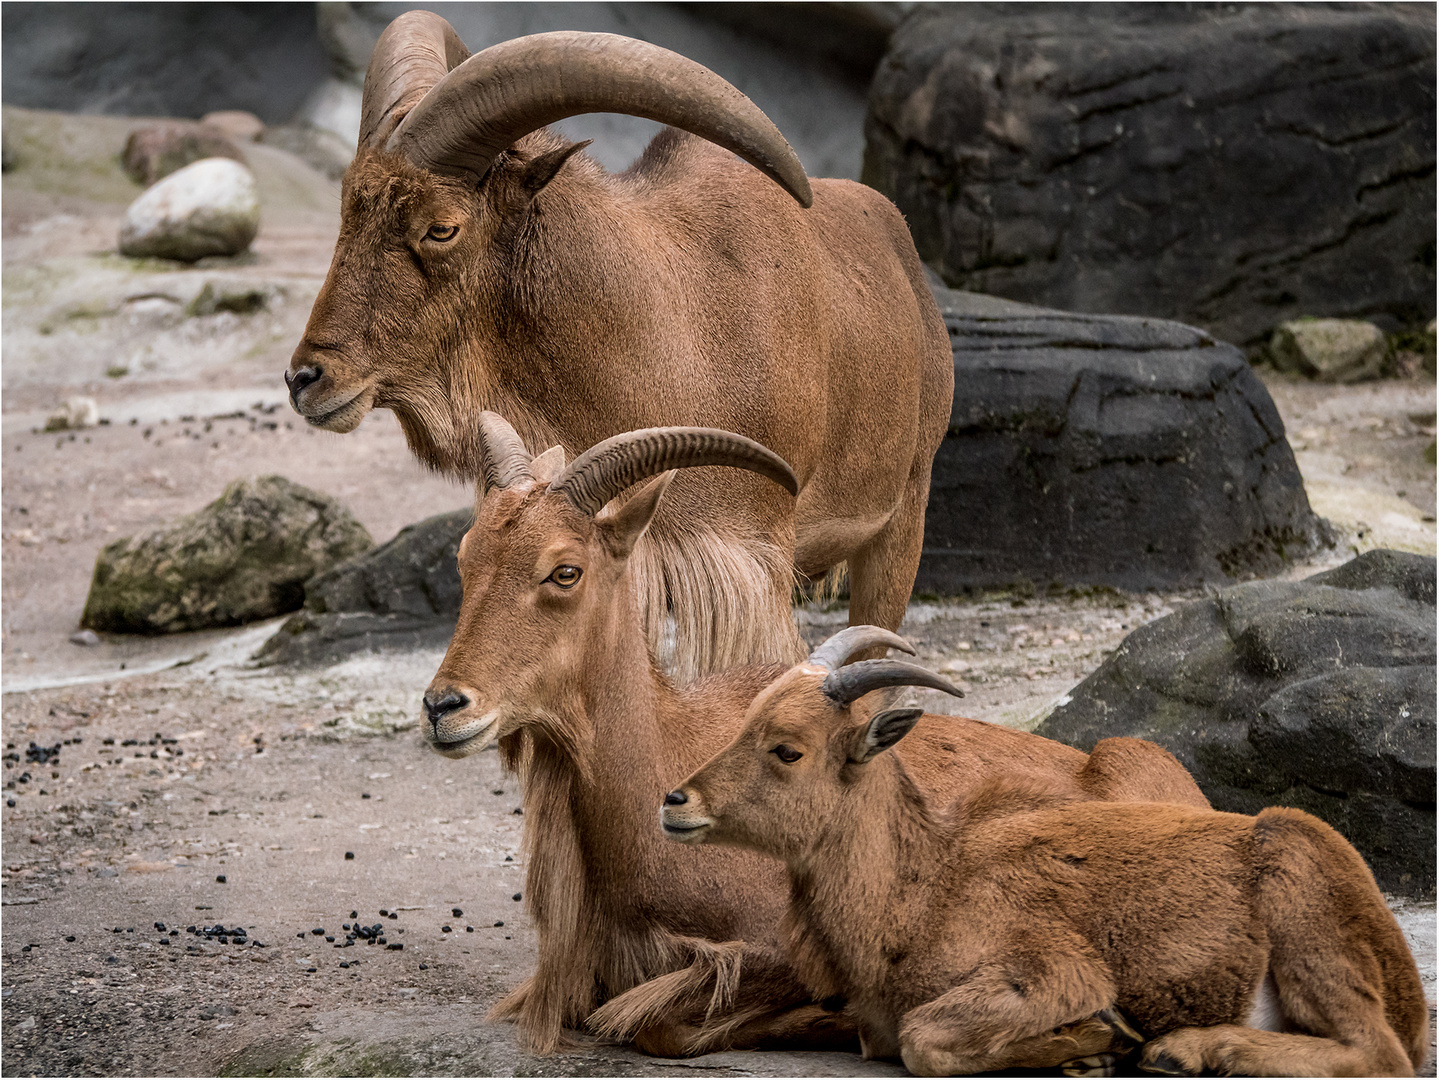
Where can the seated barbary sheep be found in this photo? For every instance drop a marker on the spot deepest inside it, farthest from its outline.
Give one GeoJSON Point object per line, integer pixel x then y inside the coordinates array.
{"type": "Point", "coordinates": [1016, 930]}
{"type": "Point", "coordinates": [549, 658]}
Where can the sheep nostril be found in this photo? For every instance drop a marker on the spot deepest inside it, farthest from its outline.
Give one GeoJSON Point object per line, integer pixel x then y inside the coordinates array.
{"type": "Point", "coordinates": [436, 708]}
{"type": "Point", "coordinates": [305, 376]}
{"type": "Point", "coordinates": [676, 798]}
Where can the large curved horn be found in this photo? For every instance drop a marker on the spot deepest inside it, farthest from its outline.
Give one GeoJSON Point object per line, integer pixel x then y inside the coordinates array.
{"type": "Point", "coordinates": [507, 91]}
{"type": "Point", "coordinates": [840, 647]}
{"type": "Point", "coordinates": [504, 457]}
{"type": "Point", "coordinates": [607, 468]}
{"type": "Point", "coordinates": [416, 51]}
{"type": "Point", "coordinates": [855, 680]}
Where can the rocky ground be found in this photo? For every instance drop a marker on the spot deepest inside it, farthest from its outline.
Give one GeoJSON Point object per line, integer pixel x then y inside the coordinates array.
{"type": "Point", "coordinates": [192, 790]}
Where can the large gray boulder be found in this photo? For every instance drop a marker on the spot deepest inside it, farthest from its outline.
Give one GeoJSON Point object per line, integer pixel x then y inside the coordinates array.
{"type": "Point", "coordinates": [1231, 166]}
{"type": "Point", "coordinates": [1318, 694]}
{"type": "Point", "coordinates": [1105, 450]}
{"type": "Point", "coordinates": [244, 557]}
{"type": "Point", "coordinates": [211, 207]}
{"type": "Point", "coordinates": [404, 594]}
{"type": "Point", "coordinates": [181, 59]}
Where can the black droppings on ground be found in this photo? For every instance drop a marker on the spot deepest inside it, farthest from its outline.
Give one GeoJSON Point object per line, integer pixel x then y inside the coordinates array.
{"type": "Point", "coordinates": [456, 912]}
{"type": "Point", "coordinates": [517, 896]}
{"type": "Point", "coordinates": [349, 855]}
{"type": "Point", "coordinates": [220, 878]}
{"type": "Point", "coordinates": [500, 923]}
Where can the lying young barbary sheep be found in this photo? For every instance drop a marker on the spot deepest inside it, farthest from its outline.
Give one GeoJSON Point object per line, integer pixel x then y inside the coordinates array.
{"type": "Point", "coordinates": [549, 658]}
{"type": "Point", "coordinates": [485, 262]}
{"type": "Point", "coordinates": [963, 938]}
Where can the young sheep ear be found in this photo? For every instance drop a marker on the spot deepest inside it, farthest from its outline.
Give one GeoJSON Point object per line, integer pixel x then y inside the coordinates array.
{"type": "Point", "coordinates": [548, 466]}
{"type": "Point", "coordinates": [622, 527]}
{"type": "Point", "coordinates": [882, 732]}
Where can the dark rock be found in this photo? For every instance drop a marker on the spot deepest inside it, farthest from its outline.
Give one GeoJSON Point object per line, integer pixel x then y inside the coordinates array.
{"type": "Point", "coordinates": [1231, 166]}
{"type": "Point", "coordinates": [403, 594]}
{"type": "Point", "coordinates": [182, 59]}
{"type": "Point", "coordinates": [1318, 694]}
{"type": "Point", "coordinates": [244, 557]}
{"type": "Point", "coordinates": [156, 150]}
{"type": "Point", "coordinates": [1105, 450]}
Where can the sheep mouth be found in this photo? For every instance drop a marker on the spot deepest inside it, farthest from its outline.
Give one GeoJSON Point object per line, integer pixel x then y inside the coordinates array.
{"type": "Point", "coordinates": [468, 744]}
{"type": "Point", "coordinates": [342, 417]}
{"type": "Point", "coordinates": [684, 832]}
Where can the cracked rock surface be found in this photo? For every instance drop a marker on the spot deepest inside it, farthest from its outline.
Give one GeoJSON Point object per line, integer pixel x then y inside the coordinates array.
{"type": "Point", "coordinates": [1228, 166]}
{"type": "Point", "coordinates": [1317, 694]}
{"type": "Point", "coordinates": [1105, 450]}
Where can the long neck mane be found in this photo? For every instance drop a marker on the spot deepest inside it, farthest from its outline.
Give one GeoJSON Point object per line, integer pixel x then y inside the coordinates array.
{"type": "Point", "coordinates": [591, 784]}
{"type": "Point", "coordinates": [856, 896]}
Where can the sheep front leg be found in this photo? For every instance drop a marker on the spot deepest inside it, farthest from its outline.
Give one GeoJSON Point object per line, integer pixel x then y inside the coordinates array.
{"type": "Point", "coordinates": [1039, 1012]}
{"type": "Point", "coordinates": [732, 996]}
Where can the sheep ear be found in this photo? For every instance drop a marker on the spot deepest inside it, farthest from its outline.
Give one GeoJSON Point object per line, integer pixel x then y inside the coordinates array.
{"type": "Point", "coordinates": [621, 527]}
{"type": "Point", "coordinates": [541, 170]}
{"type": "Point", "coordinates": [882, 732]}
{"type": "Point", "coordinates": [548, 466]}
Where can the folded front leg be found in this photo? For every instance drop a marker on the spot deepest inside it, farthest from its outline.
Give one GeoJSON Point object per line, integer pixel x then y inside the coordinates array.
{"type": "Point", "coordinates": [1026, 1007]}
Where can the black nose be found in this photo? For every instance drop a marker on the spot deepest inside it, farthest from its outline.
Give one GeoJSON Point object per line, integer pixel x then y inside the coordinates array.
{"type": "Point", "coordinates": [676, 798]}
{"type": "Point", "coordinates": [298, 380]}
{"type": "Point", "coordinates": [448, 702]}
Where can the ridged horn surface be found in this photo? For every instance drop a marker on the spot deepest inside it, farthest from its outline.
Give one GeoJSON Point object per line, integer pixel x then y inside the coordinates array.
{"type": "Point", "coordinates": [607, 468]}
{"type": "Point", "coordinates": [855, 680]}
{"type": "Point", "coordinates": [502, 452]}
{"type": "Point", "coordinates": [415, 52]}
{"type": "Point", "coordinates": [503, 93]}
{"type": "Point", "coordinates": [832, 654]}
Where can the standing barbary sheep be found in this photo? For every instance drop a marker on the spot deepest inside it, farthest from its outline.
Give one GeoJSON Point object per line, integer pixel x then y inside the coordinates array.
{"type": "Point", "coordinates": [549, 658]}
{"type": "Point", "coordinates": [485, 263]}
{"type": "Point", "coordinates": [963, 938]}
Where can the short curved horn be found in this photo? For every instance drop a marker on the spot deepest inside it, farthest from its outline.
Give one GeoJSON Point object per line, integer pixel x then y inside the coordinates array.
{"type": "Point", "coordinates": [607, 468]}
{"type": "Point", "coordinates": [838, 648]}
{"type": "Point", "coordinates": [503, 93]}
{"type": "Point", "coordinates": [504, 457]}
{"type": "Point", "coordinates": [416, 51]}
{"type": "Point", "coordinates": [855, 680]}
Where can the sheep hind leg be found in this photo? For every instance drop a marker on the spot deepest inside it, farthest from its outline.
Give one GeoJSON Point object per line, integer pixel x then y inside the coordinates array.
{"type": "Point", "coordinates": [1233, 1050]}
{"type": "Point", "coordinates": [881, 574]}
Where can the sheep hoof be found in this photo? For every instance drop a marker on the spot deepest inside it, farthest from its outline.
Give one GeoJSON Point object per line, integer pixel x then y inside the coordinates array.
{"type": "Point", "coordinates": [1116, 1019]}
{"type": "Point", "coordinates": [1161, 1064]}
{"type": "Point", "coordinates": [1094, 1065]}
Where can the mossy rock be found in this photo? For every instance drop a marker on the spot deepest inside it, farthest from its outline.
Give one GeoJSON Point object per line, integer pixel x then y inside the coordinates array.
{"type": "Point", "coordinates": [244, 557]}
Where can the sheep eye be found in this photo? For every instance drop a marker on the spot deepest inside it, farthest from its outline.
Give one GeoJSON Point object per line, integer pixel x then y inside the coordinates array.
{"type": "Point", "coordinates": [565, 576]}
{"type": "Point", "coordinates": [442, 233]}
{"type": "Point", "coordinates": [788, 754]}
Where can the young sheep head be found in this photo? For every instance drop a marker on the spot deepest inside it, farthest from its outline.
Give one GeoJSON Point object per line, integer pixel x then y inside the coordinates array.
{"type": "Point", "coordinates": [544, 571]}
{"type": "Point", "coordinates": [429, 271]}
{"type": "Point", "coordinates": [802, 743]}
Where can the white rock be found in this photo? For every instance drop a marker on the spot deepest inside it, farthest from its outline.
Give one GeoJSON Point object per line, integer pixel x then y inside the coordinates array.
{"type": "Point", "coordinates": [209, 208]}
{"type": "Point", "coordinates": [77, 412]}
{"type": "Point", "coordinates": [1331, 350]}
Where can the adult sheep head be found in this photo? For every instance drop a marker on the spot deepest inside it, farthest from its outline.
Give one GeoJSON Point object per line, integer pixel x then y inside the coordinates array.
{"type": "Point", "coordinates": [544, 570]}
{"type": "Point", "coordinates": [433, 253]}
